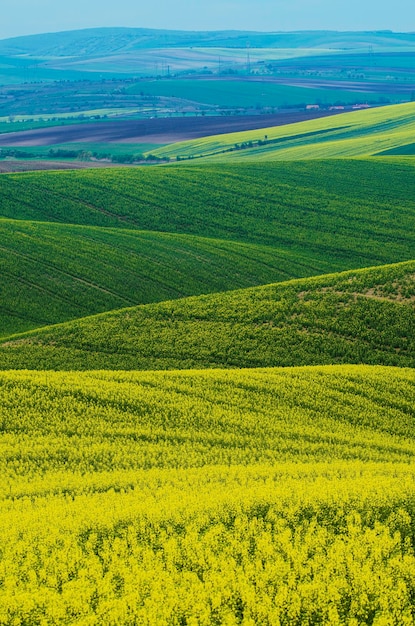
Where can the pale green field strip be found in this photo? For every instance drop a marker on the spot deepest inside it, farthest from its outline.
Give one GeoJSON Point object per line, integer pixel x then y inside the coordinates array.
{"type": "Point", "coordinates": [18, 123]}
{"type": "Point", "coordinates": [280, 496]}
{"type": "Point", "coordinates": [356, 134]}
{"type": "Point", "coordinates": [102, 149]}
{"type": "Point", "coordinates": [360, 316]}
{"type": "Point", "coordinates": [99, 151]}
{"type": "Point", "coordinates": [55, 272]}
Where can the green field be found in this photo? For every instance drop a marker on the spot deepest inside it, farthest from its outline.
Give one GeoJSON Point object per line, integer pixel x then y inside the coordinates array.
{"type": "Point", "coordinates": [362, 316]}
{"type": "Point", "coordinates": [266, 203]}
{"type": "Point", "coordinates": [56, 272]}
{"type": "Point", "coordinates": [405, 150]}
{"type": "Point", "coordinates": [355, 134]}
{"type": "Point", "coordinates": [251, 94]}
{"type": "Point", "coordinates": [86, 152]}
{"type": "Point", "coordinates": [20, 123]}
{"type": "Point", "coordinates": [83, 242]}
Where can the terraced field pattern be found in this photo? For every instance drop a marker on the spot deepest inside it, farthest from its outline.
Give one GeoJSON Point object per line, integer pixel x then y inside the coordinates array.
{"type": "Point", "coordinates": [207, 389]}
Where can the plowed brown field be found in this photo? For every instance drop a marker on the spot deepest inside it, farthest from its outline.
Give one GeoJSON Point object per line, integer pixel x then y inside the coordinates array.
{"type": "Point", "coordinates": [156, 131]}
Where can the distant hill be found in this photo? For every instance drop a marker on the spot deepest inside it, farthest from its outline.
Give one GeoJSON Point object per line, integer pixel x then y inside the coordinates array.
{"type": "Point", "coordinates": [363, 316]}
{"type": "Point", "coordinates": [132, 52]}
{"type": "Point", "coordinates": [97, 41]}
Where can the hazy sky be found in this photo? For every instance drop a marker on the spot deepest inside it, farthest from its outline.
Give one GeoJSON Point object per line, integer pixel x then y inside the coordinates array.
{"type": "Point", "coordinates": [22, 17]}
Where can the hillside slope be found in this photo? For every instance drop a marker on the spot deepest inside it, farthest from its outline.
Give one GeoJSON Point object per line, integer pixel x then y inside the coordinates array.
{"type": "Point", "coordinates": [352, 212]}
{"type": "Point", "coordinates": [205, 418]}
{"type": "Point", "coordinates": [92, 42]}
{"type": "Point", "coordinates": [362, 316]}
{"type": "Point", "coordinates": [355, 134]}
{"type": "Point", "coordinates": [131, 236]}
{"type": "Point", "coordinates": [56, 272]}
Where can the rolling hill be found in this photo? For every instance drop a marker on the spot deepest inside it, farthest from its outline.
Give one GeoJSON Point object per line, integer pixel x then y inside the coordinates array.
{"type": "Point", "coordinates": [206, 418]}
{"type": "Point", "coordinates": [267, 203]}
{"type": "Point", "coordinates": [91, 54]}
{"type": "Point", "coordinates": [223, 488]}
{"type": "Point", "coordinates": [56, 272]}
{"type": "Point", "coordinates": [353, 134]}
{"type": "Point", "coordinates": [361, 316]}
{"type": "Point", "coordinates": [99, 41]}
{"type": "Point", "coordinates": [83, 242]}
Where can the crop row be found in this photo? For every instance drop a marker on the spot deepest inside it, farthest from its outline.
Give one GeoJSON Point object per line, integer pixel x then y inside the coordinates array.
{"type": "Point", "coordinates": [55, 272]}
{"type": "Point", "coordinates": [345, 213]}
{"type": "Point", "coordinates": [85, 422]}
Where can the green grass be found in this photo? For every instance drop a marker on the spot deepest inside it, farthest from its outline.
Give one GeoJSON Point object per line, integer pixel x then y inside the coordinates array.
{"type": "Point", "coordinates": [354, 134]}
{"type": "Point", "coordinates": [130, 236]}
{"type": "Point", "coordinates": [283, 496]}
{"type": "Point", "coordinates": [352, 212]}
{"type": "Point", "coordinates": [362, 316]}
{"type": "Point", "coordinates": [56, 272]}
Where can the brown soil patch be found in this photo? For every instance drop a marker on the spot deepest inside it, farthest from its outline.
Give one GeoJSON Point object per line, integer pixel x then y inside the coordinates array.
{"type": "Point", "coordinates": [154, 131]}
{"type": "Point", "coordinates": [19, 342]}
{"type": "Point", "coordinates": [32, 166]}
{"type": "Point", "coordinates": [375, 293]}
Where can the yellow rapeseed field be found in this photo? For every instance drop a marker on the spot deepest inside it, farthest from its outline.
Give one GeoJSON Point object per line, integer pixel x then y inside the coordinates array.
{"type": "Point", "coordinates": [279, 497]}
